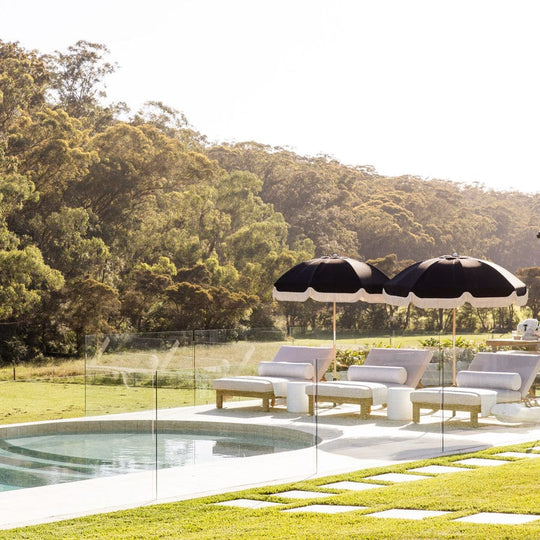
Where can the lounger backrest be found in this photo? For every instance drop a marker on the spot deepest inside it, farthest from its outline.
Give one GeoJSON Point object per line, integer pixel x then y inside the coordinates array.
{"type": "Point", "coordinates": [527, 365]}
{"type": "Point", "coordinates": [320, 357]}
{"type": "Point", "coordinates": [415, 361]}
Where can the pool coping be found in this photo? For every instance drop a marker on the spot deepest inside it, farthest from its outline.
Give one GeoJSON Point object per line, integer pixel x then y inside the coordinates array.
{"type": "Point", "coordinates": [150, 426]}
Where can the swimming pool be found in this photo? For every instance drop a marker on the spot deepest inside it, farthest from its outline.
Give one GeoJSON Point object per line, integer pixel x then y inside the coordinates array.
{"type": "Point", "coordinates": [71, 451]}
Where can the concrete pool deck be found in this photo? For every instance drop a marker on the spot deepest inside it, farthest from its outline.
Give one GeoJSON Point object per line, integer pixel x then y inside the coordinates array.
{"type": "Point", "coordinates": [347, 444]}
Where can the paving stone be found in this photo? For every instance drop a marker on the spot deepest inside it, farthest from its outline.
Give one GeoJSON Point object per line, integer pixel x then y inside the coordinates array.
{"type": "Point", "coordinates": [326, 508]}
{"type": "Point", "coordinates": [248, 503]}
{"type": "Point", "coordinates": [299, 494]}
{"type": "Point", "coordinates": [396, 477]}
{"type": "Point", "coordinates": [400, 513]}
{"type": "Point", "coordinates": [438, 469]}
{"type": "Point", "coordinates": [482, 462]}
{"type": "Point", "coordinates": [353, 486]}
{"type": "Point", "coordinates": [518, 455]}
{"type": "Point", "coordinates": [493, 518]}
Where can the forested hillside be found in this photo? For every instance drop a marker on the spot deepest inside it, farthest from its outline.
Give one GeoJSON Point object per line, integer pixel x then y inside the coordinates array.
{"type": "Point", "coordinates": [128, 221]}
{"type": "Point", "coordinates": [367, 215]}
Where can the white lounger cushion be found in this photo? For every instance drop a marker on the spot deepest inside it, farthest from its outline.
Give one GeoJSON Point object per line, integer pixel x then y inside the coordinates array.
{"type": "Point", "coordinates": [457, 396]}
{"type": "Point", "coordinates": [245, 383]}
{"type": "Point", "coordinates": [414, 361]}
{"type": "Point", "coordinates": [489, 379]}
{"type": "Point", "coordinates": [350, 389]}
{"type": "Point", "coordinates": [381, 374]}
{"type": "Point", "coordinates": [296, 370]}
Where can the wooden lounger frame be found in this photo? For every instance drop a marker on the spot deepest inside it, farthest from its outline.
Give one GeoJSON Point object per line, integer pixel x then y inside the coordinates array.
{"type": "Point", "coordinates": [268, 398]}
{"type": "Point", "coordinates": [365, 403]}
{"type": "Point", "coordinates": [473, 409]}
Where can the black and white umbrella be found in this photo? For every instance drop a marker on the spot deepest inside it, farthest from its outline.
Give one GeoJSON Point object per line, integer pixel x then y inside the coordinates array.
{"type": "Point", "coordinates": [331, 279]}
{"type": "Point", "coordinates": [451, 281]}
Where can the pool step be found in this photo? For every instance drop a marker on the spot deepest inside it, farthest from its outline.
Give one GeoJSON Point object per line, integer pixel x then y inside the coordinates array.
{"type": "Point", "coordinates": [14, 460]}
{"type": "Point", "coordinates": [24, 477]}
{"type": "Point", "coordinates": [25, 468]}
{"type": "Point", "coordinates": [49, 456]}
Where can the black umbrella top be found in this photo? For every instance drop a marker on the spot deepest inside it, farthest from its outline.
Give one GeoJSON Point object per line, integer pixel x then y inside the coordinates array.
{"type": "Point", "coordinates": [451, 280]}
{"type": "Point", "coordinates": [331, 279]}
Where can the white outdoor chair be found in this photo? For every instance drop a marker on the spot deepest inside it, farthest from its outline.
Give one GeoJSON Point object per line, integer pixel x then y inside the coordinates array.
{"type": "Point", "coordinates": [291, 363]}
{"type": "Point", "coordinates": [368, 384]}
{"type": "Point", "coordinates": [492, 378]}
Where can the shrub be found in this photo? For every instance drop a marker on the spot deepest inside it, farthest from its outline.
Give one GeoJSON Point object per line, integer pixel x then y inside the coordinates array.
{"type": "Point", "coordinates": [350, 357]}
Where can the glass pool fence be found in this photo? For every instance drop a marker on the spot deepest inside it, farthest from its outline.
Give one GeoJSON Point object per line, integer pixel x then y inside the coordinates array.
{"type": "Point", "coordinates": [150, 410]}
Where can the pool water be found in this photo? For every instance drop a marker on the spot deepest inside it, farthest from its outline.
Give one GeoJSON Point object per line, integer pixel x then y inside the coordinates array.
{"type": "Point", "coordinates": [52, 459]}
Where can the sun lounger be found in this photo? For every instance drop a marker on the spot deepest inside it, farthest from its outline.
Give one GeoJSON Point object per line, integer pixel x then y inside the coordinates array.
{"type": "Point", "coordinates": [491, 378]}
{"type": "Point", "coordinates": [367, 385]}
{"type": "Point", "coordinates": [291, 363]}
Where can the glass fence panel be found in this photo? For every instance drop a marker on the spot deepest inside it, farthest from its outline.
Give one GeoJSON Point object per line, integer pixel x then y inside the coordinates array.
{"type": "Point", "coordinates": [120, 370]}
{"type": "Point", "coordinates": [121, 403]}
{"type": "Point", "coordinates": [53, 443]}
{"type": "Point", "coordinates": [229, 353]}
{"type": "Point", "coordinates": [254, 435]}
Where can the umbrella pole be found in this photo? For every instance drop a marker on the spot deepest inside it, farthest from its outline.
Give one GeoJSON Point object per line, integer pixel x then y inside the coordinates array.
{"type": "Point", "coordinates": [454, 347]}
{"type": "Point", "coordinates": [334, 340]}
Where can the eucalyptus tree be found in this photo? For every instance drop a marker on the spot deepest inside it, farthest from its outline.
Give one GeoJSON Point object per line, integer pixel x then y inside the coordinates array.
{"type": "Point", "coordinates": [531, 277]}
{"type": "Point", "coordinates": [24, 79]}
{"type": "Point", "coordinates": [91, 307]}
{"type": "Point", "coordinates": [26, 281]}
{"type": "Point", "coordinates": [70, 241]}
{"type": "Point", "coordinates": [78, 81]}
{"type": "Point", "coordinates": [143, 290]}
{"type": "Point", "coordinates": [192, 306]}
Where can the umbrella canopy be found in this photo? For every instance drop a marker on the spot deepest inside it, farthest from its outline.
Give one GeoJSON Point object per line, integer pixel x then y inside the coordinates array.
{"type": "Point", "coordinates": [450, 281]}
{"type": "Point", "coordinates": [331, 279]}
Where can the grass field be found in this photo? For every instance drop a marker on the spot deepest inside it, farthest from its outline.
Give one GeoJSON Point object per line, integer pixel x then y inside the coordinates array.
{"type": "Point", "coordinates": [43, 400]}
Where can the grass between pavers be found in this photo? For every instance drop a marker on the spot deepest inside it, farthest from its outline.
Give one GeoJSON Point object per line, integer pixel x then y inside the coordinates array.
{"type": "Point", "coordinates": [509, 488]}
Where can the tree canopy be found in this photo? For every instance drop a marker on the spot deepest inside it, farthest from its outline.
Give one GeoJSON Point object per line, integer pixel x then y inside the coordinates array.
{"type": "Point", "coordinates": [135, 222]}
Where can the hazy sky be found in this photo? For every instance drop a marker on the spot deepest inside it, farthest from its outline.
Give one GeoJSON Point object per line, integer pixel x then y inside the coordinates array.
{"type": "Point", "coordinates": [441, 89]}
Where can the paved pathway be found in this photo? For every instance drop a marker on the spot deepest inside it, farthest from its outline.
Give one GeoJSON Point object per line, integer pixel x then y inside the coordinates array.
{"type": "Point", "coordinates": [307, 497]}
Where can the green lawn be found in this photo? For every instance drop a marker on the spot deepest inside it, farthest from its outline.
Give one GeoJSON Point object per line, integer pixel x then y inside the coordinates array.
{"type": "Point", "coordinates": [42, 400]}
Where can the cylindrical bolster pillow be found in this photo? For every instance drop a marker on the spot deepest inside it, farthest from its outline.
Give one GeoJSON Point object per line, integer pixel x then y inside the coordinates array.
{"type": "Point", "coordinates": [489, 379]}
{"type": "Point", "coordinates": [296, 370]}
{"type": "Point", "coordinates": [383, 374]}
